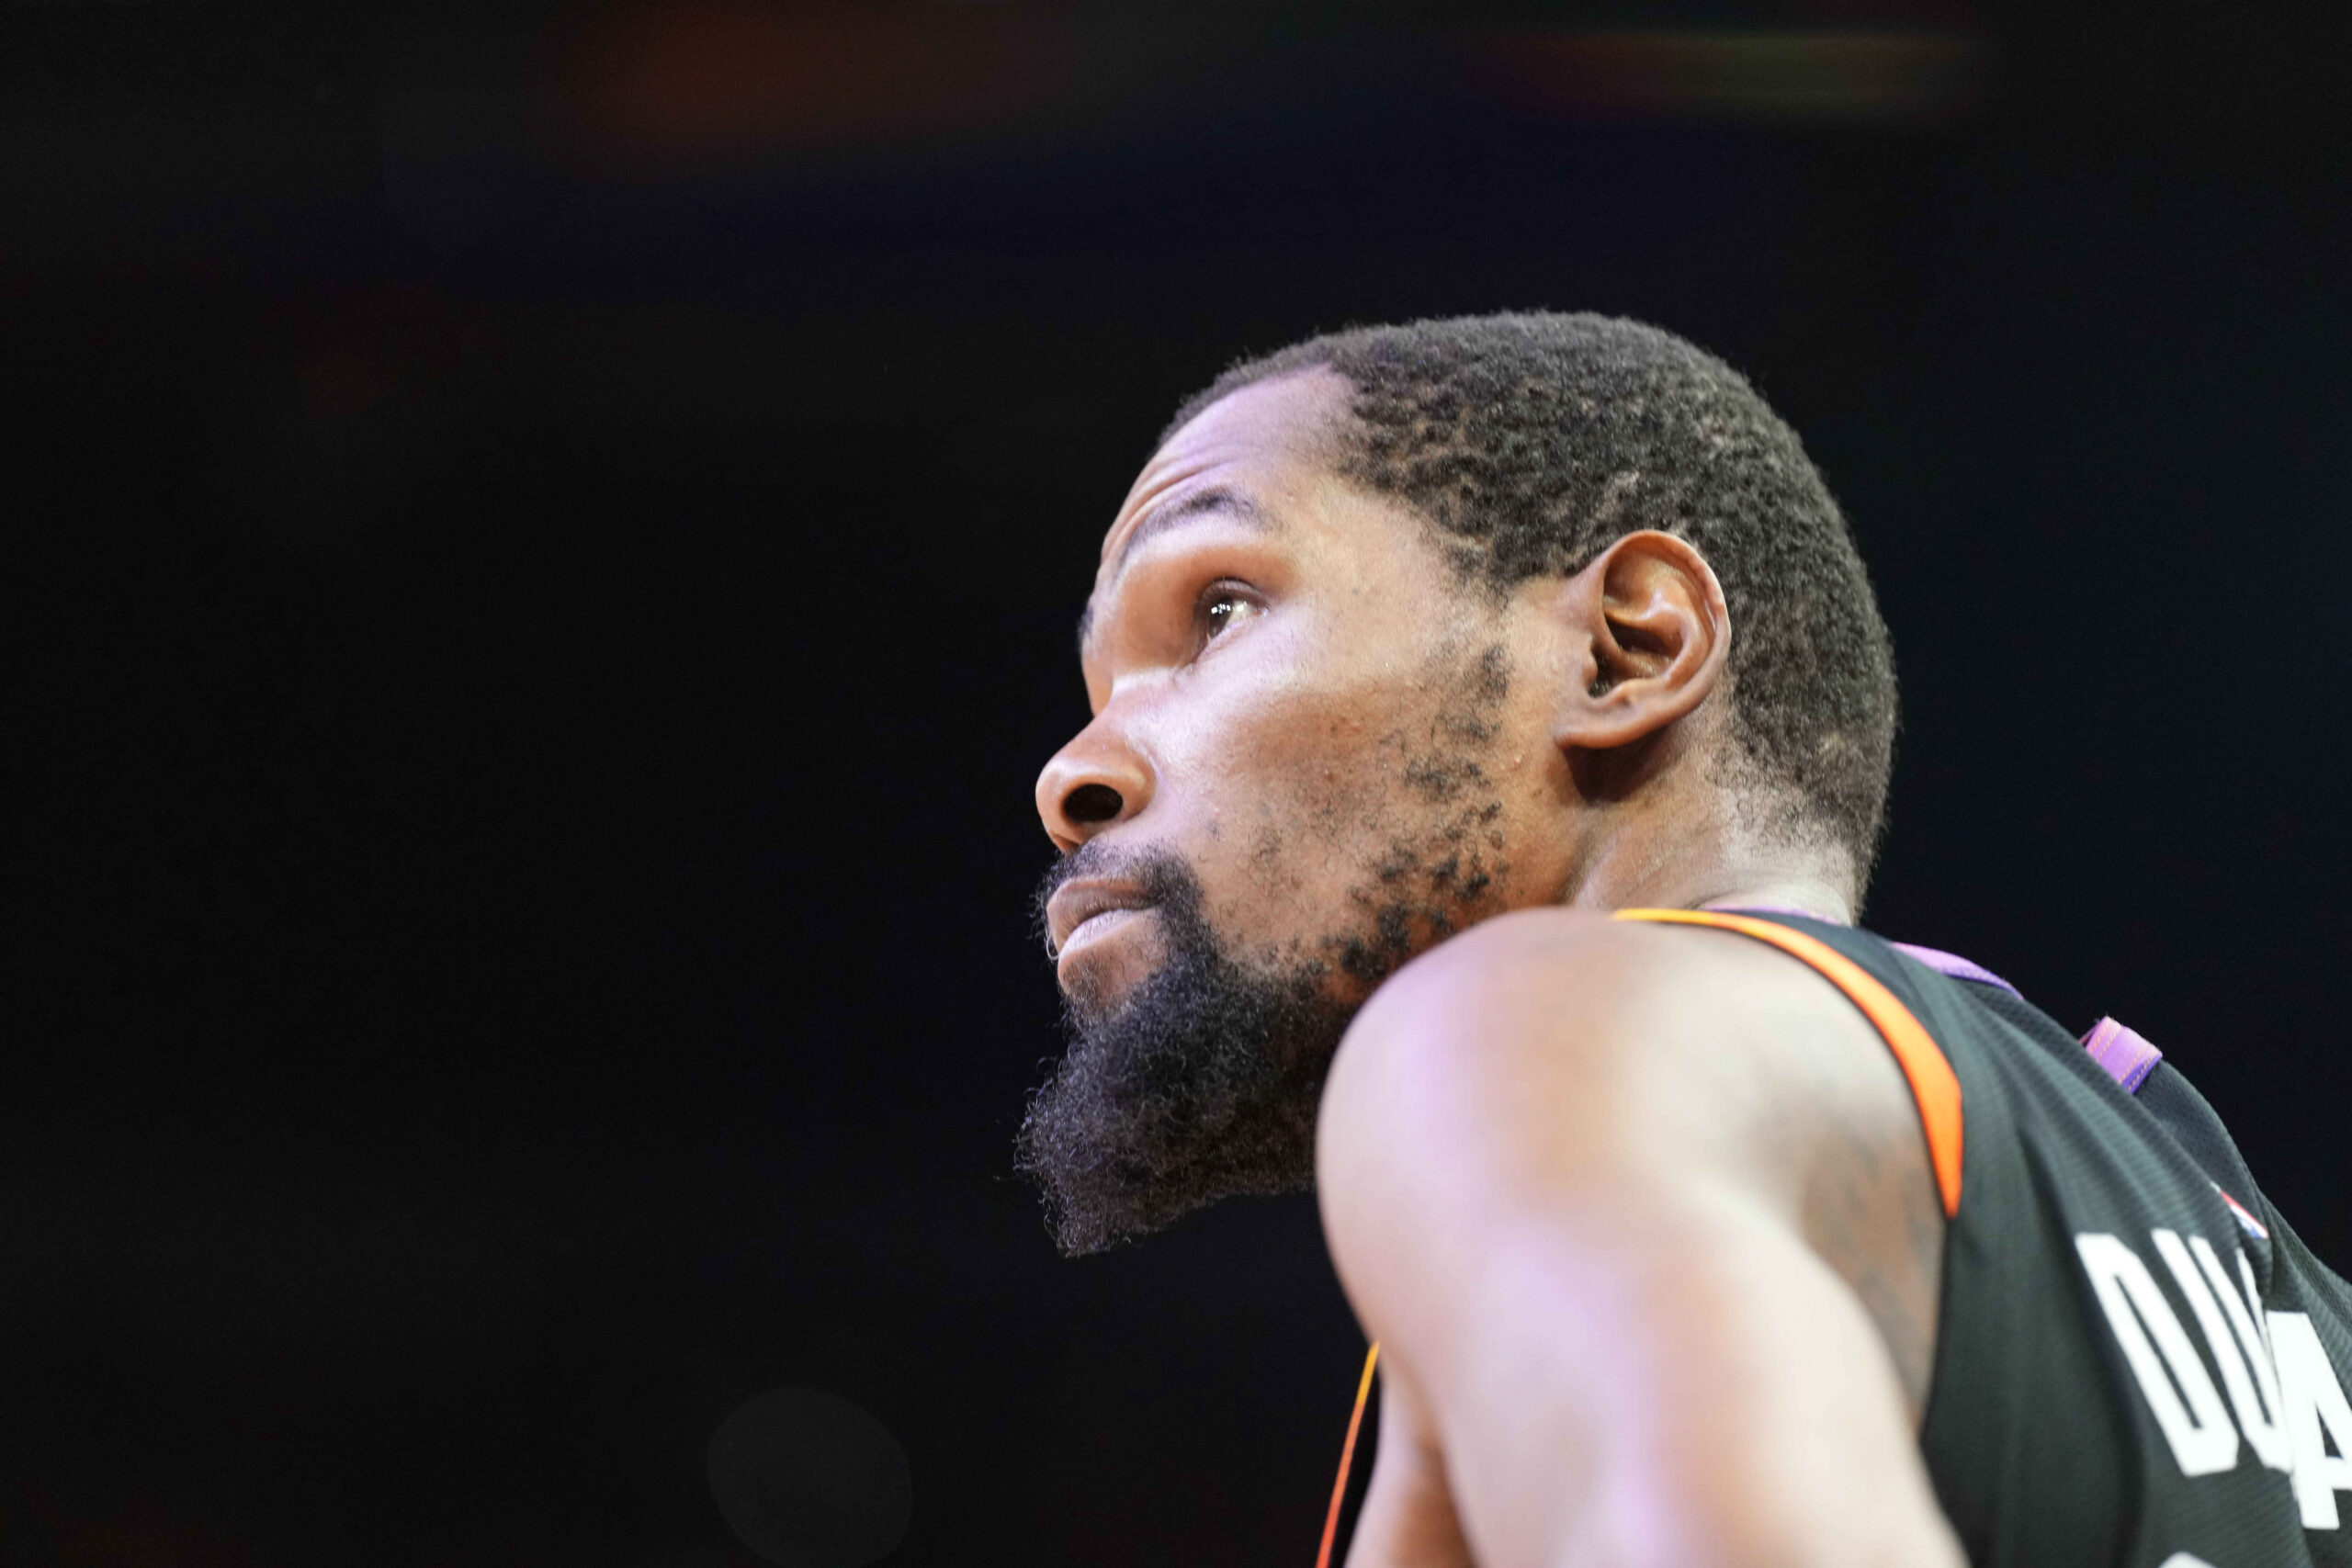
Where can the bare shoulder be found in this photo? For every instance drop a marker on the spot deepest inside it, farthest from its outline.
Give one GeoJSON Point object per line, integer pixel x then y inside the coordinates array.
{"type": "Point", "coordinates": [1560, 1021]}
{"type": "Point", "coordinates": [1557, 1066]}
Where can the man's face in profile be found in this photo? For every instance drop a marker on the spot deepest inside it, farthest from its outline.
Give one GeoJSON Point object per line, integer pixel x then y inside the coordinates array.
{"type": "Point", "coordinates": [1313, 754]}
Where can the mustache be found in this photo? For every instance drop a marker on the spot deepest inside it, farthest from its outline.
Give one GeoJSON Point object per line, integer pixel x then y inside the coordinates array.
{"type": "Point", "coordinates": [1163, 877]}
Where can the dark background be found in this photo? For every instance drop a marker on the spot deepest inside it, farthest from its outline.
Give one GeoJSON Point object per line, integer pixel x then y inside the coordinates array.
{"type": "Point", "coordinates": [542, 552]}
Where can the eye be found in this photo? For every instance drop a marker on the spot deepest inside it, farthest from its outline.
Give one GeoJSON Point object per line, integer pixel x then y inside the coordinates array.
{"type": "Point", "coordinates": [1223, 606]}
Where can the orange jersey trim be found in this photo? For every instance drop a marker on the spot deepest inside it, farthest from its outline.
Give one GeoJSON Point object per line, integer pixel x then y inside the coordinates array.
{"type": "Point", "coordinates": [1347, 1458]}
{"type": "Point", "coordinates": [1934, 1086]}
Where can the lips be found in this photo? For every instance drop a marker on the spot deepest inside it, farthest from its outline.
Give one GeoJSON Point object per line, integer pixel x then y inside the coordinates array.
{"type": "Point", "coordinates": [1076, 903]}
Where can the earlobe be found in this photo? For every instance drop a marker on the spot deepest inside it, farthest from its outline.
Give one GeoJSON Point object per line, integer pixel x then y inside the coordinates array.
{"type": "Point", "coordinates": [1649, 616]}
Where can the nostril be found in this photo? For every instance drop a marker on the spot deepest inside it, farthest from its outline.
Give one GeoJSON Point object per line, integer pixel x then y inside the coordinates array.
{"type": "Point", "coordinates": [1090, 804]}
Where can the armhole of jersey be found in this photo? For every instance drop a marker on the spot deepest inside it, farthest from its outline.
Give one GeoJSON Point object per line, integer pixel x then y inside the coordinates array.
{"type": "Point", "coordinates": [1935, 1089]}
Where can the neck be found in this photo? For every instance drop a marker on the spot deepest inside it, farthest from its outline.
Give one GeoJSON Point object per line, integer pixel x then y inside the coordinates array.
{"type": "Point", "coordinates": [1798, 896]}
{"type": "Point", "coordinates": [1760, 889]}
{"type": "Point", "coordinates": [1707, 861]}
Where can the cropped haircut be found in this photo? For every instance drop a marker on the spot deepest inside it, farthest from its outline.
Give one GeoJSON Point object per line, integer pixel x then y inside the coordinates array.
{"type": "Point", "coordinates": [1532, 441]}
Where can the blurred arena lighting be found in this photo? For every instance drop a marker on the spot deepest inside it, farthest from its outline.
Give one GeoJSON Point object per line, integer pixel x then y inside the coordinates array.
{"type": "Point", "coordinates": [721, 75]}
{"type": "Point", "coordinates": [1855, 76]}
{"type": "Point", "coordinates": [688, 80]}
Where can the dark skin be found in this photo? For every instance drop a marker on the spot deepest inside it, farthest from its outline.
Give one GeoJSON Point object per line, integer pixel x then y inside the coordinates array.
{"type": "Point", "coordinates": [1641, 1217]}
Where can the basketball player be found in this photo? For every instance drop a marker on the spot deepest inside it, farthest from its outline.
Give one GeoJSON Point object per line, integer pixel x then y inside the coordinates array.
{"type": "Point", "coordinates": [1491, 732]}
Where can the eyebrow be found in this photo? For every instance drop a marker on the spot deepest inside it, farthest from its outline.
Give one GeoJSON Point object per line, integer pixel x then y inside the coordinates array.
{"type": "Point", "coordinates": [1211, 499]}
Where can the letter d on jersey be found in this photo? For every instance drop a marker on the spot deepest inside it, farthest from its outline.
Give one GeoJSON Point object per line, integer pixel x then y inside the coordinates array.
{"type": "Point", "coordinates": [2204, 1442]}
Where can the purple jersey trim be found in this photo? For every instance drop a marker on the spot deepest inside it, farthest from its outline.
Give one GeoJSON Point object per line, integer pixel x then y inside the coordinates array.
{"type": "Point", "coordinates": [1953, 964]}
{"type": "Point", "coordinates": [2123, 1053]}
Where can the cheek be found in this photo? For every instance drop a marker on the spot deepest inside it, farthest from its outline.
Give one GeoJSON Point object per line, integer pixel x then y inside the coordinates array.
{"type": "Point", "coordinates": [1387, 830]}
{"type": "Point", "coordinates": [1342, 807]}
{"type": "Point", "coordinates": [1274, 790]}
{"type": "Point", "coordinates": [1312, 793]}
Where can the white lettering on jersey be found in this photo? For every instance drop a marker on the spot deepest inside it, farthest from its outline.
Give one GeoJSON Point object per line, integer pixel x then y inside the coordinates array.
{"type": "Point", "coordinates": [2255, 1397]}
{"type": "Point", "coordinates": [2313, 1400]}
{"type": "Point", "coordinates": [2204, 1442]}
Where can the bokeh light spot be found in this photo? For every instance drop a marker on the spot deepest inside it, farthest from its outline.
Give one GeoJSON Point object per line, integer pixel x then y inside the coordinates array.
{"type": "Point", "coordinates": [808, 1480]}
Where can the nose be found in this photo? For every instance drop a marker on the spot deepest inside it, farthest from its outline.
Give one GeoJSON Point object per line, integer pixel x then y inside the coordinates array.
{"type": "Point", "coordinates": [1095, 782]}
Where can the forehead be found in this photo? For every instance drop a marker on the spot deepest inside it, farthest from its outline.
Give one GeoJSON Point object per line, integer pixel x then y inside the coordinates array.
{"type": "Point", "coordinates": [1262, 445]}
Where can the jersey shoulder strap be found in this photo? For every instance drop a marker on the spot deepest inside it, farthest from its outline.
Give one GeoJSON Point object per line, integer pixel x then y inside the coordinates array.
{"type": "Point", "coordinates": [1935, 1089]}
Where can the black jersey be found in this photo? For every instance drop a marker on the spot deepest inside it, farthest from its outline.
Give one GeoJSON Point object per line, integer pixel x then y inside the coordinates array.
{"type": "Point", "coordinates": [2138, 1364]}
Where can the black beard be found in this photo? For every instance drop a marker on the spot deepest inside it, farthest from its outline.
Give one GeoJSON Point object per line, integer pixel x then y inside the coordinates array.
{"type": "Point", "coordinates": [1202, 1083]}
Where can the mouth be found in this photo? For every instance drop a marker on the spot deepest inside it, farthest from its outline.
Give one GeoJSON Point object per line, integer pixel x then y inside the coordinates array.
{"type": "Point", "coordinates": [1083, 911]}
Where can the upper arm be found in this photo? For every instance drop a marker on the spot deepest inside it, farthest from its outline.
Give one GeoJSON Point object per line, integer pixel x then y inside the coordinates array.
{"type": "Point", "coordinates": [1583, 1181]}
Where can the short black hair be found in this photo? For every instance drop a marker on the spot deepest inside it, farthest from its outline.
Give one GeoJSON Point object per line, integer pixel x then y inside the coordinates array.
{"type": "Point", "coordinates": [1535, 440]}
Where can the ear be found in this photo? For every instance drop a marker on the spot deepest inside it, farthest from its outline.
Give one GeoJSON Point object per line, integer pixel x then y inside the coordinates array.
{"type": "Point", "coordinates": [1649, 619]}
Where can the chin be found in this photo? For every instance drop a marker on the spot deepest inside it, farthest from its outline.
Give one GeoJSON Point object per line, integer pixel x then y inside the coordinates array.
{"type": "Point", "coordinates": [1102, 970]}
{"type": "Point", "coordinates": [1093, 988]}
